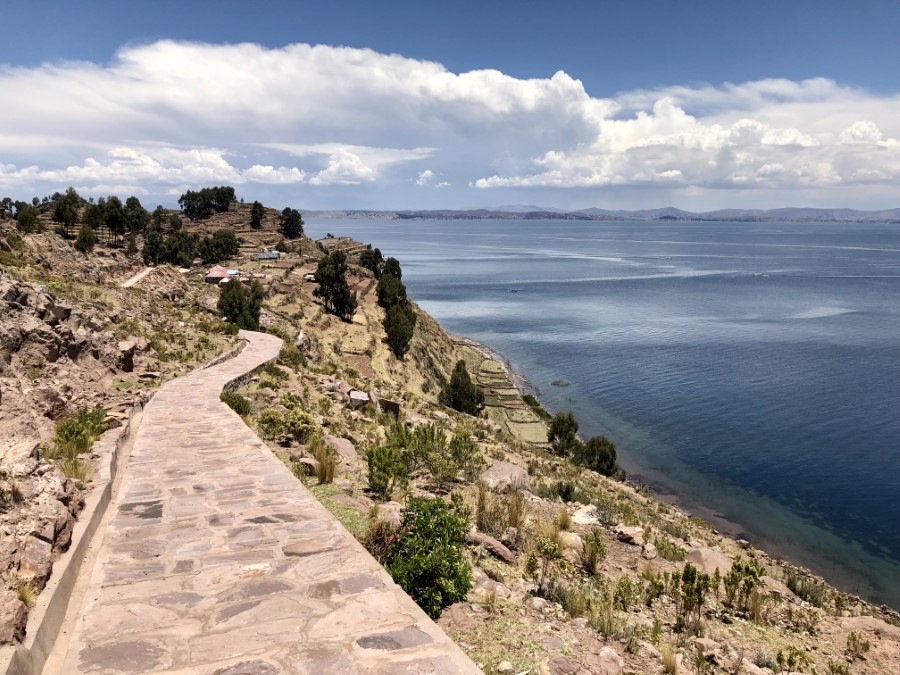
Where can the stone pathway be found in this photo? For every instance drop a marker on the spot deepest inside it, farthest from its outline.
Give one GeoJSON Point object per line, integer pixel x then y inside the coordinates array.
{"type": "Point", "coordinates": [218, 561]}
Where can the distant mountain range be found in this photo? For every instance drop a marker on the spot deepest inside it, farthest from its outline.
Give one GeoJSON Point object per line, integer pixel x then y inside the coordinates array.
{"type": "Point", "coordinates": [530, 212]}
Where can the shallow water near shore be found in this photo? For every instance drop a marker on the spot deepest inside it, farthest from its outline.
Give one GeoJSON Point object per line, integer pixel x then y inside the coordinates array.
{"type": "Point", "coordinates": [749, 372]}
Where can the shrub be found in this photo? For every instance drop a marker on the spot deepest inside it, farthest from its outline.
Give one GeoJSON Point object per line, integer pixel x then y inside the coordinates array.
{"type": "Point", "coordinates": [598, 454]}
{"type": "Point", "coordinates": [668, 550]}
{"type": "Point", "coordinates": [857, 646]}
{"type": "Point", "coordinates": [427, 560]}
{"type": "Point", "coordinates": [86, 239]}
{"type": "Point", "coordinates": [241, 305]}
{"type": "Point", "coordinates": [270, 423]}
{"type": "Point", "coordinates": [806, 589]}
{"type": "Point", "coordinates": [740, 581]}
{"type": "Point", "coordinates": [564, 519]}
{"type": "Point", "coordinates": [291, 357]}
{"type": "Point", "coordinates": [387, 470]}
{"type": "Point", "coordinates": [466, 455]}
{"type": "Point", "coordinates": [670, 664]}
{"type": "Point", "coordinates": [593, 551]}
{"type": "Point", "coordinates": [75, 435]}
{"type": "Point", "coordinates": [236, 402]}
{"type": "Point", "coordinates": [399, 326]}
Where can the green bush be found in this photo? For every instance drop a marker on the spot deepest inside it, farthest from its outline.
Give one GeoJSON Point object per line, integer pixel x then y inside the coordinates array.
{"type": "Point", "coordinates": [75, 435]}
{"type": "Point", "coordinates": [271, 423]}
{"type": "Point", "coordinates": [236, 402]}
{"type": "Point", "coordinates": [427, 561]}
{"type": "Point", "coordinates": [388, 470]}
{"type": "Point", "coordinates": [593, 551]}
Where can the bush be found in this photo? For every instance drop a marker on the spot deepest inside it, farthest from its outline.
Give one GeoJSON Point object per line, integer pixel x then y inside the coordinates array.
{"type": "Point", "coordinates": [461, 393]}
{"type": "Point", "coordinates": [86, 239]}
{"type": "Point", "coordinates": [399, 326]}
{"type": "Point", "coordinates": [427, 561]}
{"type": "Point", "coordinates": [236, 402]}
{"type": "Point", "coordinates": [387, 470]}
{"type": "Point", "coordinates": [241, 305]}
{"type": "Point", "coordinates": [75, 435]}
{"type": "Point", "coordinates": [598, 454]}
{"type": "Point", "coordinates": [562, 434]}
{"type": "Point", "coordinates": [593, 551]}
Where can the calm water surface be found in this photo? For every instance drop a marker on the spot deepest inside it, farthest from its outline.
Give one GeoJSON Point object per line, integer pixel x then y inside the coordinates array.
{"type": "Point", "coordinates": [748, 372]}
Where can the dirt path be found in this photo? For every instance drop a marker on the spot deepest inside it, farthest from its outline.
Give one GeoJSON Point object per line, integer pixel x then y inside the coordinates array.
{"type": "Point", "coordinates": [217, 560]}
{"type": "Point", "coordinates": [131, 281]}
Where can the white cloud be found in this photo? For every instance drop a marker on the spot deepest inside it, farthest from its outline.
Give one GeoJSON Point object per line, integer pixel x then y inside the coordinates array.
{"type": "Point", "coordinates": [170, 115]}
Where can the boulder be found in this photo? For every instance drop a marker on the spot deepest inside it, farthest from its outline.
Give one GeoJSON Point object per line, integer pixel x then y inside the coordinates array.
{"type": "Point", "coordinates": [490, 544]}
{"type": "Point", "coordinates": [630, 535]}
{"type": "Point", "coordinates": [127, 349]}
{"type": "Point", "coordinates": [606, 662]}
{"type": "Point", "coordinates": [649, 551]}
{"type": "Point", "coordinates": [585, 515]}
{"type": "Point", "coordinates": [391, 512]}
{"type": "Point", "coordinates": [504, 475]}
{"type": "Point", "coordinates": [709, 560]}
{"type": "Point", "coordinates": [357, 399]}
{"type": "Point", "coordinates": [13, 616]}
{"type": "Point", "coordinates": [870, 624]}
{"type": "Point", "coordinates": [342, 446]}
{"type": "Point", "coordinates": [563, 665]}
{"type": "Point", "coordinates": [36, 560]}
{"type": "Point", "coordinates": [571, 541]}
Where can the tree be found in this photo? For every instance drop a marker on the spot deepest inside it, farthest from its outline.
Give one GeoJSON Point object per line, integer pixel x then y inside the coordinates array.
{"type": "Point", "coordinates": [180, 248]}
{"type": "Point", "coordinates": [291, 223]}
{"type": "Point", "coordinates": [257, 213]}
{"type": "Point", "coordinates": [26, 218]}
{"type": "Point", "coordinates": [372, 260]}
{"type": "Point", "coordinates": [333, 288]}
{"type": "Point", "coordinates": [461, 393]}
{"type": "Point", "coordinates": [154, 246]}
{"type": "Point", "coordinates": [399, 324]}
{"type": "Point", "coordinates": [427, 560]}
{"type": "Point", "coordinates": [562, 434]}
{"type": "Point", "coordinates": [242, 305]}
{"type": "Point", "coordinates": [390, 291]}
{"type": "Point", "coordinates": [598, 454]}
{"type": "Point", "coordinates": [203, 203]}
{"type": "Point", "coordinates": [86, 239]}
{"type": "Point", "coordinates": [114, 217]}
{"type": "Point", "coordinates": [65, 209]}
{"type": "Point", "coordinates": [392, 266]}
{"type": "Point", "coordinates": [136, 216]}
{"type": "Point", "coordinates": [222, 245]}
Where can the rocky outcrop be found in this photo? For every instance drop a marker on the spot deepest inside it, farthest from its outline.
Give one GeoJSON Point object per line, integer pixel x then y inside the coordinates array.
{"type": "Point", "coordinates": [504, 475]}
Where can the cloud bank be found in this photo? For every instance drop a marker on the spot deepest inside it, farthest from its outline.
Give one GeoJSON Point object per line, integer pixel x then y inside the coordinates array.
{"type": "Point", "coordinates": [315, 119]}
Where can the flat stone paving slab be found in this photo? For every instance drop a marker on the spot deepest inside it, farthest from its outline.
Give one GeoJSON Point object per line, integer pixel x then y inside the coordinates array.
{"type": "Point", "coordinates": [218, 561]}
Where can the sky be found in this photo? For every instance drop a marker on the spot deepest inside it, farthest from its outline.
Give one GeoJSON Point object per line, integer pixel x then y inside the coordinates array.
{"type": "Point", "coordinates": [403, 105]}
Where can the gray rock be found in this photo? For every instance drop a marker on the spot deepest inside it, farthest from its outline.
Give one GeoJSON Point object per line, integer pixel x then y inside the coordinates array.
{"type": "Point", "coordinates": [13, 616]}
{"type": "Point", "coordinates": [503, 475]}
{"type": "Point", "coordinates": [36, 560]}
{"type": "Point", "coordinates": [493, 546]}
{"type": "Point", "coordinates": [342, 446]}
{"type": "Point", "coordinates": [630, 535]}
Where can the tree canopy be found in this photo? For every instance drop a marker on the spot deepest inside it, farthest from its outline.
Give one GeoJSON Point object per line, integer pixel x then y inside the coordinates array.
{"type": "Point", "coordinates": [372, 260]}
{"type": "Point", "coordinates": [241, 305]}
{"type": "Point", "coordinates": [201, 204]}
{"type": "Point", "coordinates": [257, 213]}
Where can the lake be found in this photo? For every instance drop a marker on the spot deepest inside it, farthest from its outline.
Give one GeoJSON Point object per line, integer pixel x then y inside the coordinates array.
{"type": "Point", "coordinates": [749, 372]}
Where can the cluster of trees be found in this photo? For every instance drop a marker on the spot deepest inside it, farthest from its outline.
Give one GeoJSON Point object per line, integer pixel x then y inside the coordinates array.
{"type": "Point", "coordinates": [331, 275]}
{"type": "Point", "coordinates": [598, 454]}
{"type": "Point", "coordinates": [180, 248]}
{"type": "Point", "coordinates": [399, 315]}
{"type": "Point", "coordinates": [201, 204]}
{"type": "Point", "coordinates": [460, 393]}
{"type": "Point", "coordinates": [108, 216]}
{"type": "Point", "coordinates": [241, 305]}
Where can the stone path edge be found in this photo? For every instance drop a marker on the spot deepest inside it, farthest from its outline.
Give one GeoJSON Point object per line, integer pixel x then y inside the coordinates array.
{"type": "Point", "coordinates": [46, 618]}
{"type": "Point", "coordinates": [48, 615]}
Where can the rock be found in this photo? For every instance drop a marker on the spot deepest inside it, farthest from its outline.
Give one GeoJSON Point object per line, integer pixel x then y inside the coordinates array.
{"type": "Point", "coordinates": [342, 446]}
{"type": "Point", "coordinates": [649, 551]}
{"type": "Point", "coordinates": [607, 662]}
{"type": "Point", "coordinates": [585, 515]}
{"type": "Point", "coordinates": [13, 616]}
{"type": "Point", "coordinates": [309, 464]}
{"type": "Point", "coordinates": [391, 512]}
{"type": "Point", "coordinates": [870, 624]}
{"type": "Point", "coordinates": [353, 503]}
{"type": "Point", "coordinates": [537, 603]}
{"type": "Point", "coordinates": [127, 349]}
{"type": "Point", "coordinates": [706, 645]}
{"type": "Point", "coordinates": [563, 665]}
{"type": "Point", "coordinates": [149, 375]}
{"type": "Point", "coordinates": [358, 399]}
{"type": "Point", "coordinates": [510, 537]}
{"type": "Point", "coordinates": [504, 475]}
{"type": "Point", "coordinates": [580, 622]}
{"type": "Point", "coordinates": [571, 541]}
{"type": "Point", "coordinates": [708, 560]}
{"type": "Point", "coordinates": [36, 561]}
{"type": "Point", "coordinates": [505, 667]}
{"type": "Point", "coordinates": [775, 586]}
{"type": "Point", "coordinates": [630, 535]}
{"type": "Point", "coordinates": [493, 546]}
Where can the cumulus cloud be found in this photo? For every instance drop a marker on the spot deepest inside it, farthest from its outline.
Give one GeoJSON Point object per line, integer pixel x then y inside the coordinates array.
{"type": "Point", "coordinates": [314, 116]}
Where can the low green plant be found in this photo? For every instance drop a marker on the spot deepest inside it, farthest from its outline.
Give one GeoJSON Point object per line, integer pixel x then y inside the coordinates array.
{"type": "Point", "coordinates": [593, 551]}
{"type": "Point", "coordinates": [857, 646]}
{"type": "Point", "coordinates": [75, 469]}
{"type": "Point", "coordinates": [388, 470]}
{"type": "Point", "coordinates": [427, 560]}
{"type": "Point", "coordinates": [236, 402]}
{"type": "Point", "coordinates": [668, 550]}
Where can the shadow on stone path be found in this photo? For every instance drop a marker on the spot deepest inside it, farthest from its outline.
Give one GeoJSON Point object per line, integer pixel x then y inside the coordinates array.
{"type": "Point", "coordinates": [218, 561]}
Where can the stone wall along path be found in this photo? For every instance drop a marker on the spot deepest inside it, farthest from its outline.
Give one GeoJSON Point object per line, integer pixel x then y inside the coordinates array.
{"type": "Point", "coordinates": [217, 560]}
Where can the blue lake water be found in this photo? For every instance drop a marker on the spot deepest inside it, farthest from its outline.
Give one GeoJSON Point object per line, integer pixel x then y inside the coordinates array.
{"type": "Point", "coordinates": [748, 372]}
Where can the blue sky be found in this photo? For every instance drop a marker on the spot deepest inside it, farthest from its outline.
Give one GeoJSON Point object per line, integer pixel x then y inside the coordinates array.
{"type": "Point", "coordinates": [425, 105]}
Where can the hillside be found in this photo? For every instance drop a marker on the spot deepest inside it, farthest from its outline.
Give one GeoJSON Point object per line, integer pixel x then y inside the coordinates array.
{"type": "Point", "coordinates": [573, 572]}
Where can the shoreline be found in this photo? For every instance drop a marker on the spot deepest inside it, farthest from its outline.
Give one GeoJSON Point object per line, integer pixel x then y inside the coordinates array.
{"type": "Point", "coordinates": [720, 524]}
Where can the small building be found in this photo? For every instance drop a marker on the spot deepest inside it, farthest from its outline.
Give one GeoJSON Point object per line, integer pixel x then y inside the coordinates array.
{"type": "Point", "coordinates": [215, 274]}
{"type": "Point", "coordinates": [268, 255]}
{"type": "Point", "coordinates": [309, 277]}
